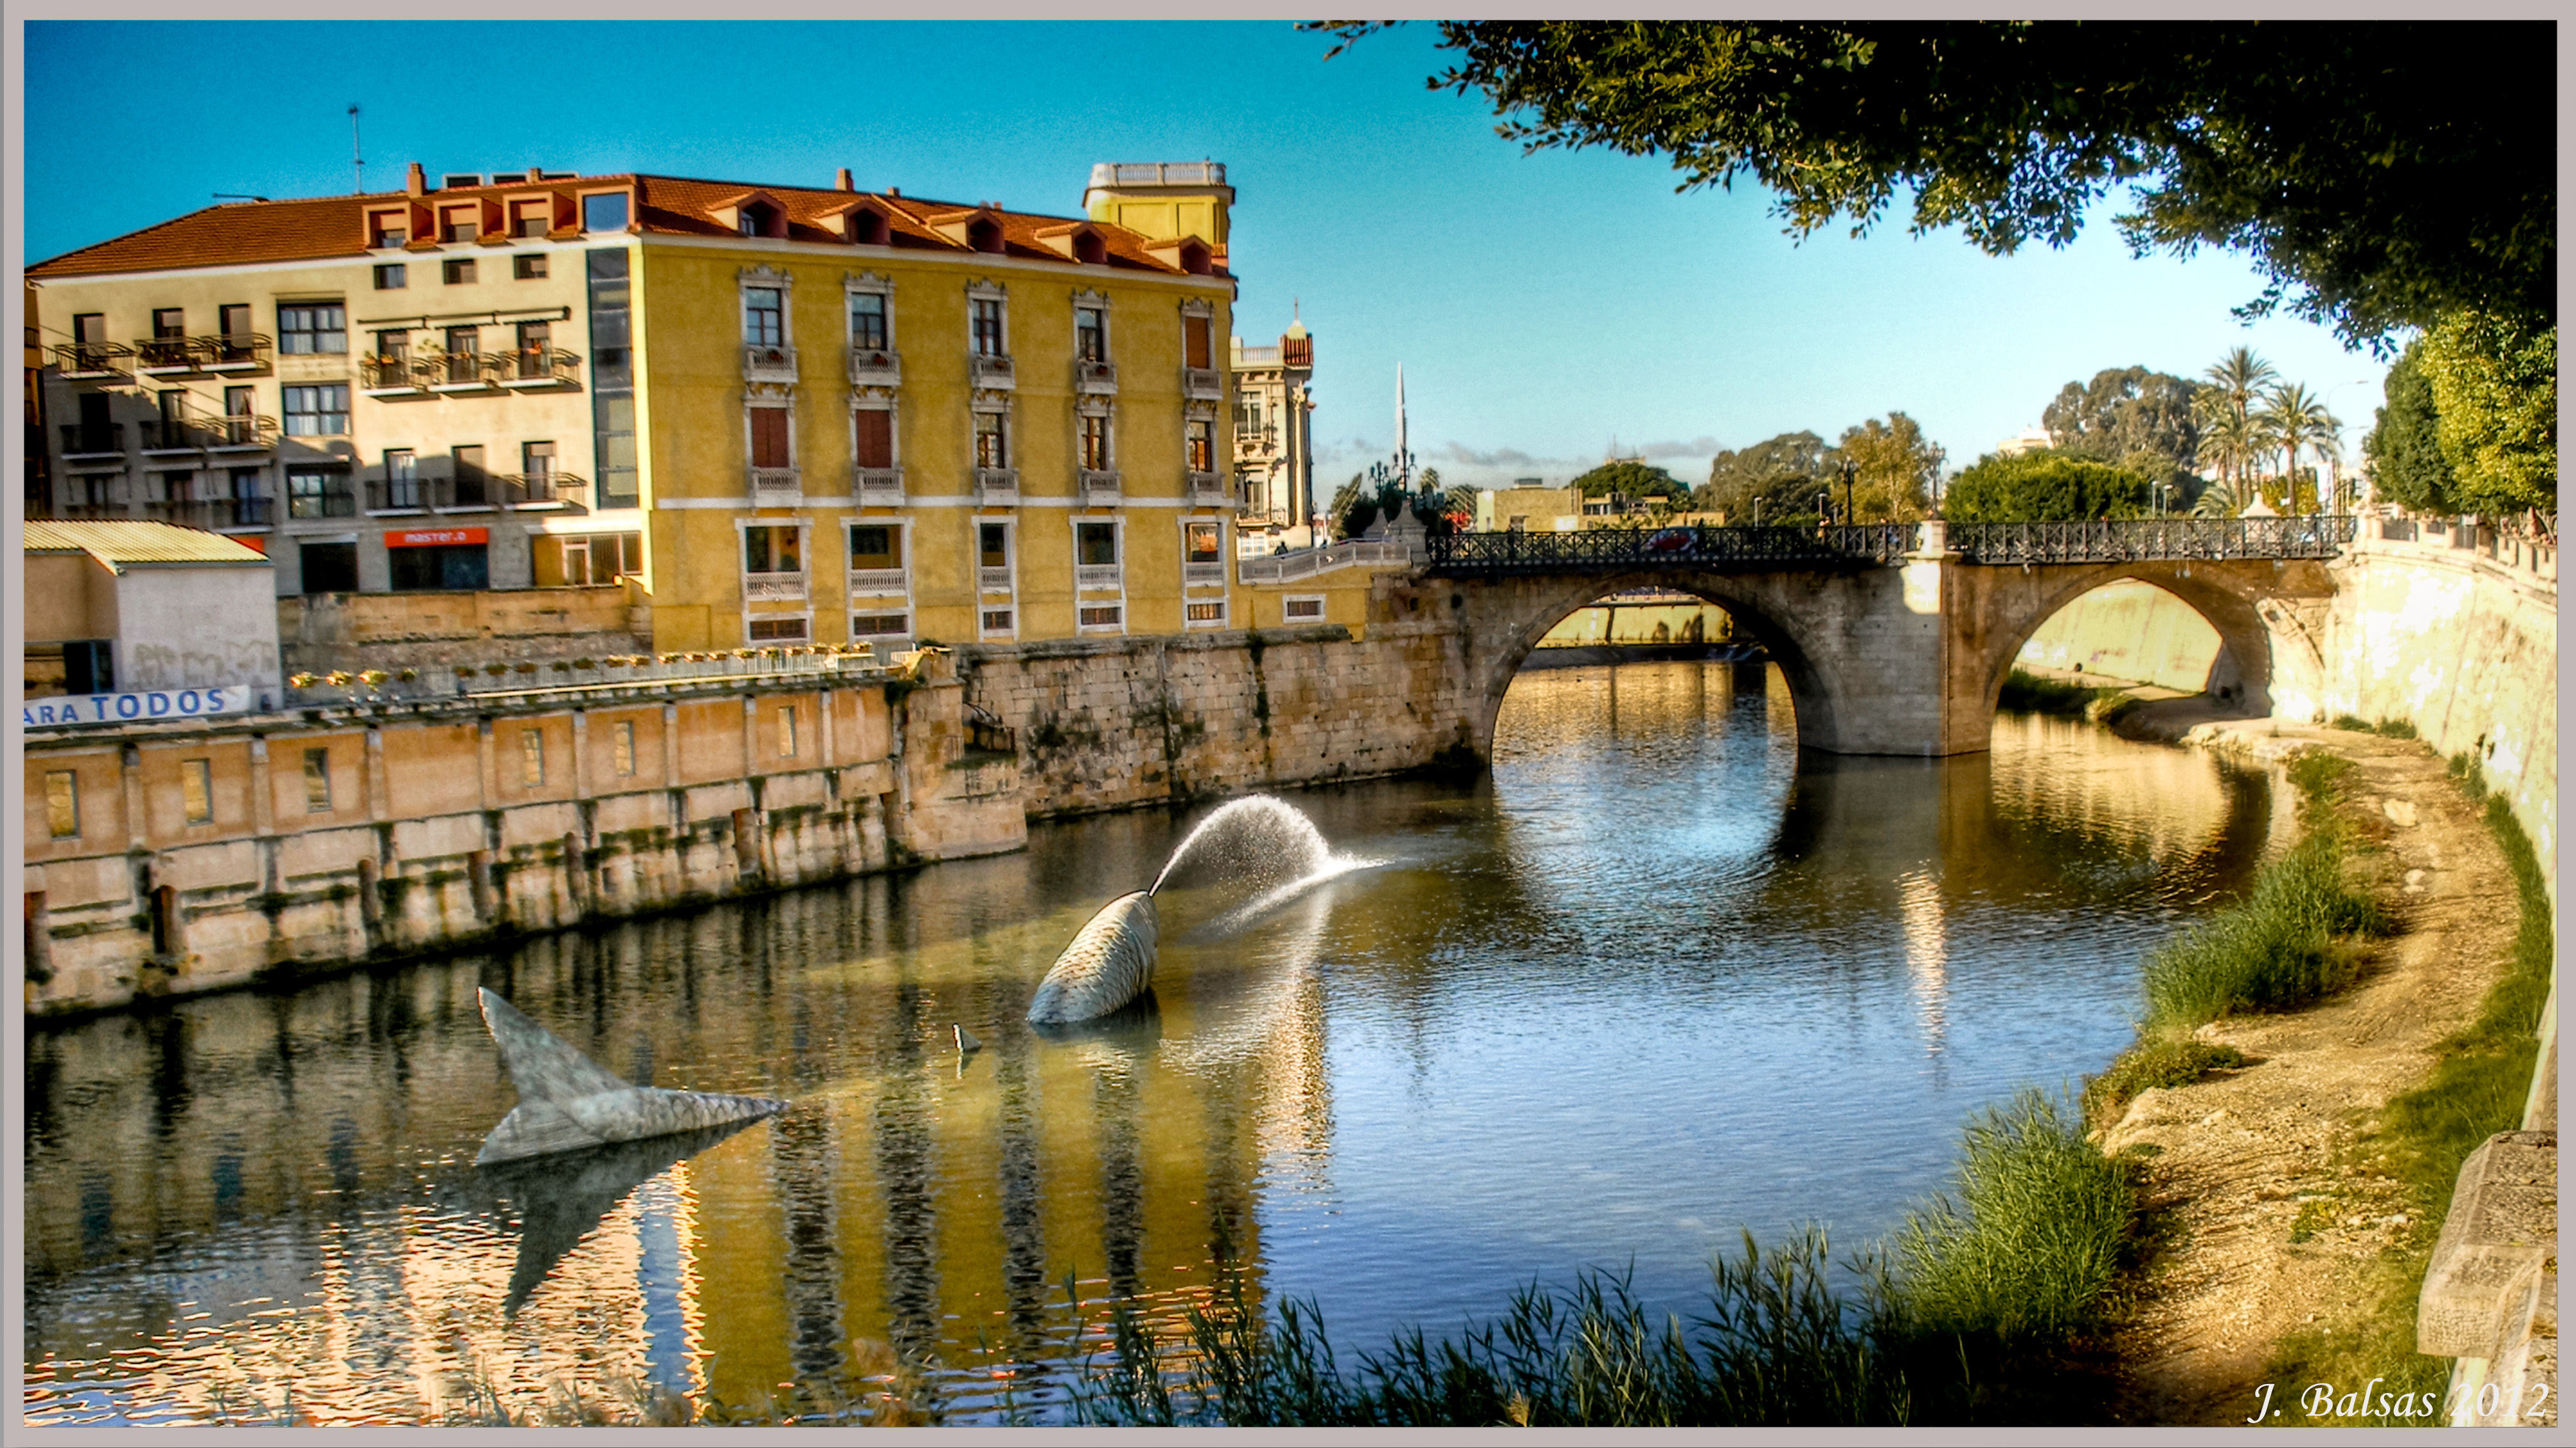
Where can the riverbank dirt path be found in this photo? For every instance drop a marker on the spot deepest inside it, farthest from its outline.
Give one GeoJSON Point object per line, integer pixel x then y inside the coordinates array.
{"type": "Point", "coordinates": [2242, 1154]}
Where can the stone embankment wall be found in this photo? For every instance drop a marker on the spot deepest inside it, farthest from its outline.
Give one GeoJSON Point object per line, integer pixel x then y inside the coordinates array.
{"type": "Point", "coordinates": [354, 631]}
{"type": "Point", "coordinates": [173, 859]}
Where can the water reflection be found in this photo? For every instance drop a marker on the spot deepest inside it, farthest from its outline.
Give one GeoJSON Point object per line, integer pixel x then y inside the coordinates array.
{"type": "Point", "coordinates": [1651, 980]}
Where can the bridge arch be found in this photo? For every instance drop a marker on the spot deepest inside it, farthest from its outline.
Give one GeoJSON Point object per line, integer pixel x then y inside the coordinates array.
{"type": "Point", "coordinates": [2230, 596]}
{"type": "Point", "coordinates": [1514, 616]}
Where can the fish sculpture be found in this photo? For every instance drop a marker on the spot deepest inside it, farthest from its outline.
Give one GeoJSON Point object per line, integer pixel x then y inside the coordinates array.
{"type": "Point", "coordinates": [1109, 964]}
{"type": "Point", "coordinates": [568, 1102]}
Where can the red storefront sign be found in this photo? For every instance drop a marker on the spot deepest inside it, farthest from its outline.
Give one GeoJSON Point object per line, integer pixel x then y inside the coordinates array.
{"type": "Point", "coordinates": [436, 537]}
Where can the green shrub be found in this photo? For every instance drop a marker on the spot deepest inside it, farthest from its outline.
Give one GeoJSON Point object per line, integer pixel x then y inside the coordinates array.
{"type": "Point", "coordinates": [2283, 946]}
{"type": "Point", "coordinates": [2153, 1065]}
{"type": "Point", "coordinates": [2031, 694]}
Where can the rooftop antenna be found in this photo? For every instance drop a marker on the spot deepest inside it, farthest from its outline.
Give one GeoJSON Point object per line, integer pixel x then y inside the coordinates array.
{"type": "Point", "coordinates": [356, 160]}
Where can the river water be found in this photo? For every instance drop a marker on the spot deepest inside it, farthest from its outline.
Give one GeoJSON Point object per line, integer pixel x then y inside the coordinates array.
{"type": "Point", "coordinates": [1656, 981]}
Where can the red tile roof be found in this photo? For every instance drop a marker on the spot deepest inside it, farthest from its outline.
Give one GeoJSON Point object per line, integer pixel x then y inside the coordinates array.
{"type": "Point", "coordinates": [333, 227]}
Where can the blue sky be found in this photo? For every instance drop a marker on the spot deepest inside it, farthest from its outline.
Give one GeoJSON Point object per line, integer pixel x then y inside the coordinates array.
{"type": "Point", "coordinates": [1541, 305]}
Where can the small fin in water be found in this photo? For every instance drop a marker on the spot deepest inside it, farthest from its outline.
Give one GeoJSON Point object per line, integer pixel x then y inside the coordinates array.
{"type": "Point", "coordinates": [966, 1040]}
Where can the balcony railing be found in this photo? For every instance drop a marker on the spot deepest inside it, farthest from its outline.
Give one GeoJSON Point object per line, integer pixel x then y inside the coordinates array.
{"type": "Point", "coordinates": [1202, 384]}
{"type": "Point", "coordinates": [773, 587]}
{"type": "Point", "coordinates": [875, 367]}
{"type": "Point", "coordinates": [335, 504]}
{"type": "Point", "coordinates": [997, 487]}
{"type": "Point", "coordinates": [1096, 577]}
{"type": "Point", "coordinates": [1197, 575]}
{"type": "Point", "coordinates": [252, 512]}
{"type": "Point", "coordinates": [408, 495]}
{"type": "Point", "coordinates": [239, 430]}
{"type": "Point", "coordinates": [768, 364]}
{"type": "Point", "coordinates": [542, 490]}
{"type": "Point", "coordinates": [459, 371]}
{"type": "Point", "coordinates": [1098, 379]}
{"type": "Point", "coordinates": [537, 367]}
{"type": "Point", "coordinates": [877, 487]}
{"type": "Point", "coordinates": [1097, 486]}
{"type": "Point", "coordinates": [81, 441]}
{"type": "Point", "coordinates": [993, 580]}
{"type": "Point", "coordinates": [169, 435]}
{"type": "Point", "coordinates": [983, 371]}
{"type": "Point", "coordinates": [91, 359]}
{"type": "Point", "coordinates": [779, 487]}
{"type": "Point", "coordinates": [1203, 487]}
{"type": "Point", "coordinates": [471, 492]}
{"type": "Point", "coordinates": [387, 375]}
{"type": "Point", "coordinates": [877, 582]}
{"type": "Point", "coordinates": [221, 352]}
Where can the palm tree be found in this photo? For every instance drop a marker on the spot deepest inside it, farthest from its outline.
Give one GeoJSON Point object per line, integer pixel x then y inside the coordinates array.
{"type": "Point", "coordinates": [2220, 500]}
{"type": "Point", "coordinates": [2228, 441]}
{"type": "Point", "coordinates": [2296, 419]}
{"type": "Point", "coordinates": [2237, 377]}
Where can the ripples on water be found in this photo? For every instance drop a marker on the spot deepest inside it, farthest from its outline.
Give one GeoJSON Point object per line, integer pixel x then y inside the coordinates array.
{"type": "Point", "coordinates": [1648, 985]}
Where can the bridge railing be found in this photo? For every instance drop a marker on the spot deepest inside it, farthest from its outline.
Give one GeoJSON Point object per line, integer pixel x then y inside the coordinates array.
{"type": "Point", "coordinates": [2144, 540]}
{"type": "Point", "coordinates": [1610, 550]}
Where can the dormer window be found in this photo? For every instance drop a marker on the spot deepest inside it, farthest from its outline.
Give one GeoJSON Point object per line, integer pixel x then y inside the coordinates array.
{"type": "Point", "coordinates": [1194, 257]}
{"type": "Point", "coordinates": [531, 218]}
{"type": "Point", "coordinates": [984, 234]}
{"type": "Point", "coordinates": [754, 219]}
{"type": "Point", "coordinates": [388, 228]}
{"type": "Point", "coordinates": [460, 223]}
{"type": "Point", "coordinates": [867, 228]}
{"type": "Point", "coordinates": [1089, 248]}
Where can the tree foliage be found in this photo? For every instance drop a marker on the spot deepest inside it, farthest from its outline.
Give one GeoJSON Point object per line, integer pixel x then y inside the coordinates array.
{"type": "Point", "coordinates": [1783, 473]}
{"type": "Point", "coordinates": [2126, 412]}
{"type": "Point", "coordinates": [2403, 450]}
{"type": "Point", "coordinates": [1894, 468]}
{"type": "Point", "coordinates": [1630, 479]}
{"type": "Point", "coordinates": [2380, 174]}
{"type": "Point", "coordinates": [2043, 485]}
{"type": "Point", "coordinates": [2495, 395]}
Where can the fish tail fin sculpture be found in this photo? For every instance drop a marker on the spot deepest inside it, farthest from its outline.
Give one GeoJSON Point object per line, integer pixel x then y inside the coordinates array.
{"type": "Point", "coordinates": [568, 1101]}
{"type": "Point", "coordinates": [1109, 963]}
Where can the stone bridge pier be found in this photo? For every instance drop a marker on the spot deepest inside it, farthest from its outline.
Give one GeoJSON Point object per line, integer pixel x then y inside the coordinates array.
{"type": "Point", "coordinates": [1901, 659]}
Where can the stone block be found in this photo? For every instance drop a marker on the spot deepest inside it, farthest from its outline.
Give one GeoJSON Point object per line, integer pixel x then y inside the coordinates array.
{"type": "Point", "coordinates": [2500, 1234]}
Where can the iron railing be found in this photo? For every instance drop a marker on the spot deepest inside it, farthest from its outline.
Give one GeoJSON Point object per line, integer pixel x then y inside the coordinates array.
{"type": "Point", "coordinates": [541, 490]}
{"type": "Point", "coordinates": [398, 495]}
{"type": "Point", "coordinates": [464, 490]}
{"type": "Point", "coordinates": [90, 359]}
{"type": "Point", "coordinates": [1609, 550]}
{"type": "Point", "coordinates": [537, 367]}
{"type": "Point", "coordinates": [381, 372]}
{"type": "Point", "coordinates": [2143, 540]}
{"type": "Point", "coordinates": [221, 351]}
{"type": "Point", "coordinates": [1306, 562]}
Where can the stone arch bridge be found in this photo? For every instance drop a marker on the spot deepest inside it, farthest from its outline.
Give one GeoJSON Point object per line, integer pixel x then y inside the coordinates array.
{"type": "Point", "coordinates": [1894, 638]}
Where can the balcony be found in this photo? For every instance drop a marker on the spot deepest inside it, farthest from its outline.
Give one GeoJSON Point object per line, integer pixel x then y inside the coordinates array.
{"type": "Point", "coordinates": [768, 364]}
{"type": "Point", "coordinates": [536, 367]}
{"type": "Point", "coordinates": [222, 352]}
{"type": "Point", "coordinates": [1202, 384]}
{"type": "Point", "coordinates": [239, 432]}
{"type": "Point", "coordinates": [773, 588]}
{"type": "Point", "coordinates": [997, 487]}
{"type": "Point", "coordinates": [459, 371]}
{"type": "Point", "coordinates": [993, 580]}
{"type": "Point", "coordinates": [876, 367]}
{"type": "Point", "coordinates": [471, 492]}
{"type": "Point", "coordinates": [1203, 575]}
{"type": "Point", "coordinates": [1098, 487]}
{"type": "Point", "coordinates": [877, 583]}
{"type": "Point", "coordinates": [94, 443]}
{"type": "Point", "coordinates": [391, 375]}
{"type": "Point", "coordinates": [252, 512]}
{"type": "Point", "coordinates": [877, 487]}
{"type": "Point", "coordinates": [169, 437]}
{"type": "Point", "coordinates": [91, 359]}
{"type": "Point", "coordinates": [1096, 577]}
{"type": "Point", "coordinates": [777, 487]}
{"type": "Point", "coordinates": [542, 490]}
{"type": "Point", "coordinates": [1202, 487]}
{"type": "Point", "coordinates": [1095, 379]}
{"type": "Point", "coordinates": [989, 372]}
{"type": "Point", "coordinates": [401, 496]}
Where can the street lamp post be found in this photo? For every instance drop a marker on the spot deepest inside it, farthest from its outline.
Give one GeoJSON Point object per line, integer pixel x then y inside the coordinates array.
{"type": "Point", "coordinates": [2334, 462]}
{"type": "Point", "coordinates": [1847, 471]}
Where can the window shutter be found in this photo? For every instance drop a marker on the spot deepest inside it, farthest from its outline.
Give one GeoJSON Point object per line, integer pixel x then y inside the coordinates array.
{"type": "Point", "coordinates": [876, 438]}
{"type": "Point", "coordinates": [1194, 331]}
{"type": "Point", "coordinates": [769, 437]}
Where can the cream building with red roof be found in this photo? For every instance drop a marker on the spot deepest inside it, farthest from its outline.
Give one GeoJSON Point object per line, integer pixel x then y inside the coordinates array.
{"type": "Point", "coordinates": [775, 414]}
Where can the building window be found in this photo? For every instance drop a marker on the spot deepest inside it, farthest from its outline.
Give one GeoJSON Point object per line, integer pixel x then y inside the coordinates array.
{"type": "Point", "coordinates": [471, 485]}
{"type": "Point", "coordinates": [402, 478]}
{"type": "Point", "coordinates": [529, 267]}
{"type": "Point", "coordinates": [532, 758]}
{"type": "Point", "coordinates": [764, 317]}
{"type": "Point", "coordinates": [1095, 442]}
{"type": "Point", "coordinates": [1095, 544]}
{"type": "Point", "coordinates": [769, 438]}
{"type": "Point", "coordinates": [250, 499]}
{"type": "Point", "coordinates": [233, 320]}
{"type": "Point", "coordinates": [1091, 334]}
{"type": "Point", "coordinates": [1210, 614]}
{"type": "Point", "coordinates": [988, 326]}
{"type": "Point", "coordinates": [197, 790]}
{"type": "Point", "coordinates": [457, 272]}
{"type": "Point", "coordinates": [875, 441]}
{"type": "Point", "coordinates": [312, 328]}
{"type": "Point", "coordinates": [329, 567]}
{"type": "Point", "coordinates": [532, 218]}
{"type": "Point", "coordinates": [996, 620]}
{"type": "Point", "coordinates": [1303, 610]}
{"type": "Point", "coordinates": [1099, 615]}
{"type": "Point", "coordinates": [787, 630]}
{"type": "Point", "coordinates": [169, 323]}
{"type": "Point", "coordinates": [388, 228]}
{"type": "Point", "coordinates": [991, 444]}
{"type": "Point", "coordinates": [587, 559]}
{"type": "Point", "coordinates": [1203, 543]}
{"type": "Point", "coordinates": [321, 411]}
{"type": "Point", "coordinates": [1202, 445]}
{"type": "Point", "coordinates": [537, 465]}
{"type": "Point", "coordinates": [773, 549]}
{"type": "Point", "coordinates": [867, 321]}
{"type": "Point", "coordinates": [317, 781]}
{"type": "Point", "coordinates": [62, 803]}
{"type": "Point", "coordinates": [459, 223]}
{"type": "Point", "coordinates": [394, 347]}
{"type": "Point", "coordinates": [876, 546]}
{"type": "Point", "coordinates": [622, 748]}
{"type": "Point", "coordinates": [612, 381]}
{"type": "Point", "coordinates": [604, 212]}
{"type": "Point", "coordinates": [392, 276]}
{"type": "Point", "coordinates": [880, 625]}
{"type": "Point", "coordinates": [993, 550]}
{"type": "Point", "coordinates": [786, 731]}
{"type": "Point", "coordinates": [448, 568]}
{"type": "Point", "coordinates": [318, 493]}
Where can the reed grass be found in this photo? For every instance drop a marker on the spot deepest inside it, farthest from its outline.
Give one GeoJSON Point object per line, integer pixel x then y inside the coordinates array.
{"type": "Point", "coordinates": [1966, 1314]}
{"type": "Point", "coordinates": [2031, 694]}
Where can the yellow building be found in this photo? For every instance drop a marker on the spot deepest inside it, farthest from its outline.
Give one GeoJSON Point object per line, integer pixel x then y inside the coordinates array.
{"type": "Point", "coordinates": [789, 414]}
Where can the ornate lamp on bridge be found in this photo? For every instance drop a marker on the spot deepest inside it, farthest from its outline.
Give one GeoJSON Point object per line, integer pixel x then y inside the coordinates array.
{"type": "Point", "coordinates": [1847, 471]}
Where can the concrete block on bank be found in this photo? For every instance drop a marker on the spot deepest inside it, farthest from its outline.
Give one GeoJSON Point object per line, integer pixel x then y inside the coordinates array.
{"type": "Point", "coordinates": [2500, 1235]}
